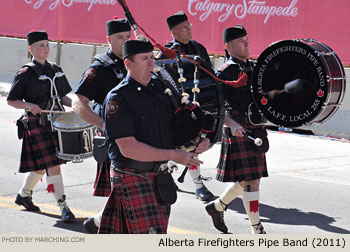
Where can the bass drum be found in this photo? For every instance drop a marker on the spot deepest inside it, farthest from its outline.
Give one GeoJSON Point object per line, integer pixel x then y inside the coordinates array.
{"type": "Point", "coordinates": [298, 82]}
{"type": "Point", "coordinates": [210, 97]}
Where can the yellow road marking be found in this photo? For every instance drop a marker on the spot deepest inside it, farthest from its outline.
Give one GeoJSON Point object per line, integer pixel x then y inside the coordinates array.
{"type": "Point", "coordinates": [77, 212]}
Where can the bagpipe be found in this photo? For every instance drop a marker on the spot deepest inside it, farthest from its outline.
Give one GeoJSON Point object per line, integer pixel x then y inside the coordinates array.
{"type": "Point", "coordinates": [190, 120]}
{"type": "Point", "coordinates": [195, 94]}
{"type": "Point", "coordinates": [205, 113]}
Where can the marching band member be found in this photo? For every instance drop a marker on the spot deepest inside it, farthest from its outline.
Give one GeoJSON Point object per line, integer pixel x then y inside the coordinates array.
{"type": "Point", "coordinates": [239, 161]}
{"type": "Point", "coordinates": [104, 74]}
{"type": "Point", "coordinates": [138, 123]}
{"type": "Point", "coordinates": [181, 31]}
{"type": "Point", "coordinates": [33, 94]}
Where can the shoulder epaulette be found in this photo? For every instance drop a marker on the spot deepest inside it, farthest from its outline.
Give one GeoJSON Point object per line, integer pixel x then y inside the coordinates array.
{"type": "Point", "coordinates": [104, 59]}
{"type": "Point", "coordinates": [23, 70]}
{"type": "Point", "coordinates": [35, 68]}
{"type": "Point", "coordinates": [226, 65]}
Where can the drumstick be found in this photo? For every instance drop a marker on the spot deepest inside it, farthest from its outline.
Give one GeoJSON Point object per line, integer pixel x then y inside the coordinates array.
{"type": "Point", "coordinates": [52, 111]}
{"type": "Point", "coordinates": [291, 87]}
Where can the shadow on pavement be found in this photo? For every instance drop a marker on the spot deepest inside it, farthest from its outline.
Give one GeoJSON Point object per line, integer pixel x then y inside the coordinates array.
{"type": "Point", "coordinates": [291, 216]}
{"type": "Point", "coordinates": [76, 226]}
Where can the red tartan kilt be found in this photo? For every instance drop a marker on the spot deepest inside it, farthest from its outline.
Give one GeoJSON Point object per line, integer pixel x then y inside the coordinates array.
{"type": "Point", "coordinates": [38, 147]}
{"type": "Point", "coordinates": [102, 184]}
{"type": "Point", "coordinates": [239, 161]}
{"type": "Point", "coordinates": [132, 206]}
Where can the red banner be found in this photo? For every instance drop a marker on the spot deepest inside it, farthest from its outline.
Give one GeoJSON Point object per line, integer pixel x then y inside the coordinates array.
{"type": "Point", "coordinates": [266, 21]}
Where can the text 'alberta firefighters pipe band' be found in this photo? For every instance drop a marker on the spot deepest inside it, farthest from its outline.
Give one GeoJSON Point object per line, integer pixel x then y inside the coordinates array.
{"type": "Point", "coordinates": [269, 62]}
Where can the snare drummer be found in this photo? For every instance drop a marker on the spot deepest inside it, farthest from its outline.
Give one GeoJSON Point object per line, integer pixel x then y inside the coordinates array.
{"type": "Point", "coordinates": [239, 161]}
{"type": "Point", "coordinates": [105, 73]}
{"type": "Point", "coordinates": [181, 31]}
{"type": "Point", "coordinates": [39, 142]}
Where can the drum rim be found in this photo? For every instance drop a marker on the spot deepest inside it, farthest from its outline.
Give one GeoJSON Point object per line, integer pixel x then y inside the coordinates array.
{"type": "Point", "coordinates": [74, 129]}
{"type": "Point", "coordinates": [63, 126]}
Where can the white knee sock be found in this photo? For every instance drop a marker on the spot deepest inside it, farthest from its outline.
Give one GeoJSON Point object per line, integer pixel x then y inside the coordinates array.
{"type": "Point", "coordinates": [58, 193]}
{"type": "Point", "coordinates": [231, 192]}
{"type": "Point", "coordinates": [251, 205]}
{"type": "Point", "coordinates": [30, 181]}
{"type": "Point", "coordinates": [195, 173]}
{"type": "Point", "coordinates": [97, 218]}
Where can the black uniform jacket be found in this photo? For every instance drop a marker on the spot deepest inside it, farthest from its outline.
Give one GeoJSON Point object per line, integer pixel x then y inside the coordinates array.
{"type": "Point", "coordinates": [104, 74]}
{"type": "Point", "coordinates": [236, 98]}
{"type": "Point", "coordinates": [143, 112]}
{"type": "Point", "coordinates": [191, 48]}
{"type": "Point", "coordinates": [27, 86]}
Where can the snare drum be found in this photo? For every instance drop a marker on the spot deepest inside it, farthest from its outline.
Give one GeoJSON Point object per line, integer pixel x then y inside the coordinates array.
{"type": "Point", "coordinates": [318, 73]}
{"type": "Point", "coordinates": [75, 137]}
{"type": "Point", "coordinates": [210, 97]}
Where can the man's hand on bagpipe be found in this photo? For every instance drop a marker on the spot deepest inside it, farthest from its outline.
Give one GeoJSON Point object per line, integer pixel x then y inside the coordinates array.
{"type": "Point", "coordinates": [187, 159]}
{"type": "Point", "coordinates": [202, 144]}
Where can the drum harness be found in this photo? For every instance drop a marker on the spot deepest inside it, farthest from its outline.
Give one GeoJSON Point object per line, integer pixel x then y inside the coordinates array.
{"type": "Point", "coordinates": [106, 61]}
{"type": "Point", "coordinates": [56, 101]}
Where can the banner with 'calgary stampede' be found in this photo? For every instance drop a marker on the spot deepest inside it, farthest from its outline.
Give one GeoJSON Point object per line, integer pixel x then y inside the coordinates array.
{"type": "Point", "coordinates": [266, 21]}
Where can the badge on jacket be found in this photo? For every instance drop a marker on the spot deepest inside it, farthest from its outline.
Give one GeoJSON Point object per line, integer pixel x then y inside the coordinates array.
{"type": "Point", "coordinates": [90, 74]}
{"type": "Point", "coordinates": [112, 109]}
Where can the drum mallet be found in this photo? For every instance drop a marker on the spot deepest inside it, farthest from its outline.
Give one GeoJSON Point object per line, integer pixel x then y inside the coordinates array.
{"type": "Point", "coordinates": [290, 87]}
{"type": "Point", "coordinates": [293, 86]}
{"type": "Point", "coordinates": [257, 141]}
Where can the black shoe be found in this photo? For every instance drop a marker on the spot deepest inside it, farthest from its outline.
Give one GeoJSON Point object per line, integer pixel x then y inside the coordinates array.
{"type": "Point", "coordinates": [204, 194]}
{"type": "Point", "coordinates": [27, 203]}
{"type": "Point", "coordinates": [217, 216]}
{"type": "Point", "coordinates": [90, 226]}
{"type": "Point", "coordinates": [67, 215]}
{"type": "Point", "coordinates": [258, 229]}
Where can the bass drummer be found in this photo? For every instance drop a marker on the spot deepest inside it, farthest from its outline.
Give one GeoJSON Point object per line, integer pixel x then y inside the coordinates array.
{"type": "Point", "coordinates": [32, 93]}
{"type": "Point", "coordinates": [240, 162]}
{"type": "Point", "coordinates": [181, 31]}
{"type": "Point", "coordinates": [104, 74]}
